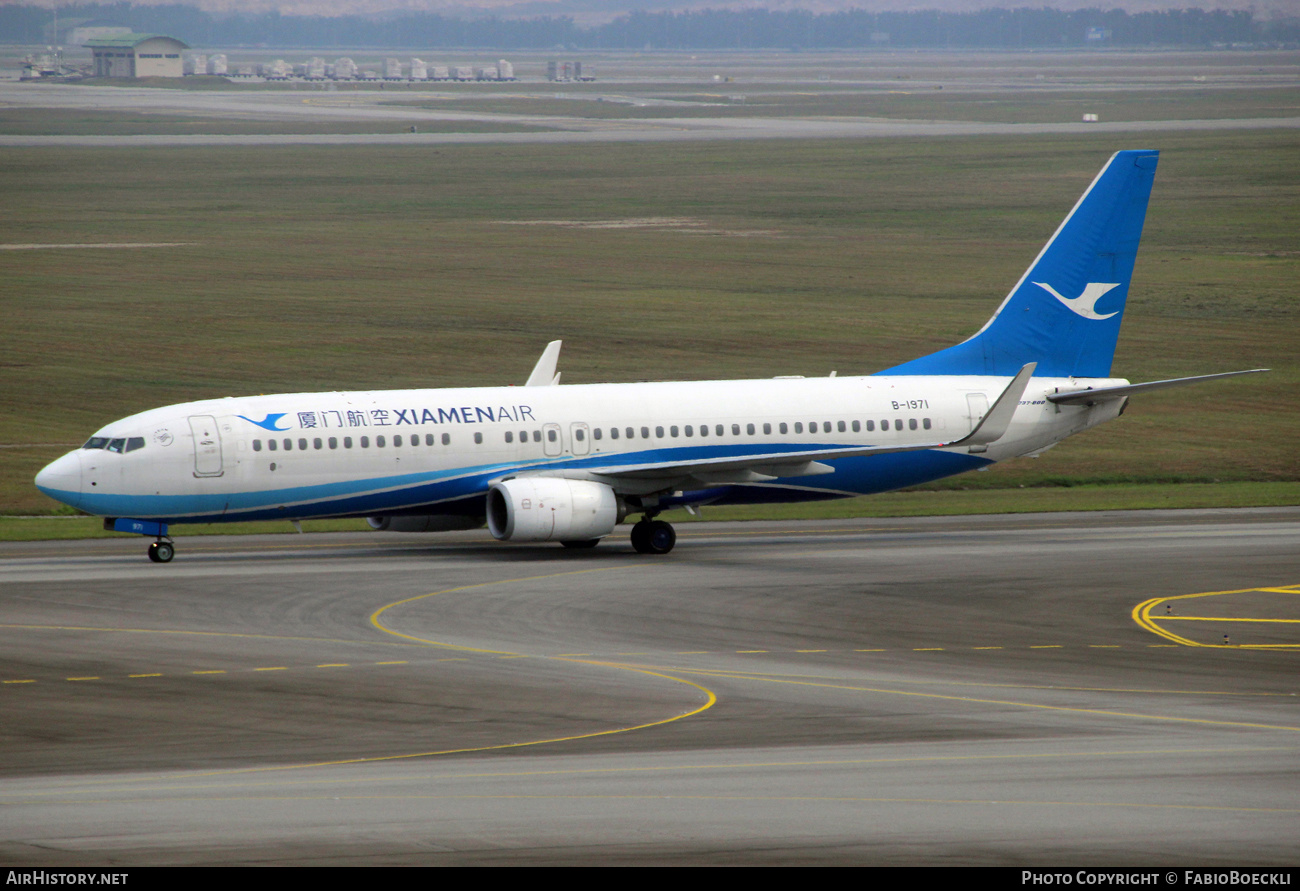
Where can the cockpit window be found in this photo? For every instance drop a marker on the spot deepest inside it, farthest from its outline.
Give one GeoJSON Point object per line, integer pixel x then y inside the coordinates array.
{"type": "Point", "coordinates": [116, 445]}
{"type": "Point", "coordinates": [135, 442]}
{"type": "Point", "coordinates": [96, 442]}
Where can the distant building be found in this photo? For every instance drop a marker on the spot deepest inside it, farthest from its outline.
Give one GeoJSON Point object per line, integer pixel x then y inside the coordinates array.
{"type": "Point", "coordinates": [137, 55]}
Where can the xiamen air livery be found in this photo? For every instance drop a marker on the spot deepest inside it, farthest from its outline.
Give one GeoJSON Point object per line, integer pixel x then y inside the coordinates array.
{"type": "Point", "coordinates": [546, 462]}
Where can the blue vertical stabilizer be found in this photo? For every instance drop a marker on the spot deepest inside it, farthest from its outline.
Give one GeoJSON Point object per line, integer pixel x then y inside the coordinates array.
{"type": "Point", "coordinates": [1066, 310]}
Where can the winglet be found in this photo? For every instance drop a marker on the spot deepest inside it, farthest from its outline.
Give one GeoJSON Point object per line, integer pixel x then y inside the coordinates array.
{"type": "Point", "coordinates": [544, 374]}
{"type": "Point", "coordinates": [998, 419]}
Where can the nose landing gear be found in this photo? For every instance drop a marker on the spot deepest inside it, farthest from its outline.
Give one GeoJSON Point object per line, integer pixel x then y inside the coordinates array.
{"type": "Point", "coordinates": [162, 551]}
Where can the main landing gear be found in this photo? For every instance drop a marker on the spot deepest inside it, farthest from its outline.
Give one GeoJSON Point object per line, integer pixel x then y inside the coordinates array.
{"type": "Point", "coordinates": [650, 536]}
{"type": "Point", "coordinates": [162, 551]}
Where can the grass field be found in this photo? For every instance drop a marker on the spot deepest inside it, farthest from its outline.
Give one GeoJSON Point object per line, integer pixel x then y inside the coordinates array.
{"type": "Point", "coordinates": [349, 268]}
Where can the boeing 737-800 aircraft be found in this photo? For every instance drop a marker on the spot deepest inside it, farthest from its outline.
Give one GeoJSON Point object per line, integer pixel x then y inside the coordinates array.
{"type": "Point", "coordinates": [567, 463]}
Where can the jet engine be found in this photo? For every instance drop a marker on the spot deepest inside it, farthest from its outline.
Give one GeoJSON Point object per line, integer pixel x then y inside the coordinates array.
{"type": "Point", "coordinates": [539, 508]}
{"type": "Point", "coordinates": [423, 523]}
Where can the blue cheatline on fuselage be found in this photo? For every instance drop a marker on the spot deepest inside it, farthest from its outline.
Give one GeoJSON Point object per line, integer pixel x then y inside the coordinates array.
{"type": "Point", "coordinates": [434, 491]}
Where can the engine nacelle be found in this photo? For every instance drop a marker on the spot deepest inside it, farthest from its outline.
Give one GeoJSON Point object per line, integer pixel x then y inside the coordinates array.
{"type": "Point", "coordinates": [422, 523]}
{"type": "Point", "coordinates": [541, 508]}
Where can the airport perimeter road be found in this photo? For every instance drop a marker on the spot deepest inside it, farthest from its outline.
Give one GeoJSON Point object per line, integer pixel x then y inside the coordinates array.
{"type": "Point", "coordinates": [1036, 689]}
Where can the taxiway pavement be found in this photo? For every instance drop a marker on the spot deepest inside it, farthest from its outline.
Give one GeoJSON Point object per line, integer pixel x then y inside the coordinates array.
{"type": "Point", "coordinates": [1032, 689]}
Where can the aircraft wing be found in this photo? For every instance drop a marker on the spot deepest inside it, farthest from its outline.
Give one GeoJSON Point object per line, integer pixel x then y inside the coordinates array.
{"type": "Point", "coordinates": [763, 466]}
{"type": "Point", "coordinates": [1092, 396]}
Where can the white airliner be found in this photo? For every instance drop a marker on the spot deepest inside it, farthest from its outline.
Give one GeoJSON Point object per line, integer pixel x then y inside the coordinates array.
{"type": "Point", "coordinates": [566, 463]}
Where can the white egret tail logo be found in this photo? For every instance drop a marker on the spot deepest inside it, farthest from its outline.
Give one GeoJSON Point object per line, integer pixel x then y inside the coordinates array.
{"type": "Point", "coordinates": [1084, 303]}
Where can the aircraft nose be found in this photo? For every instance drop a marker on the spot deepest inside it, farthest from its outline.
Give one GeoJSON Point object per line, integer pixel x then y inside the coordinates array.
{"type": "Point", "coordinates": [61, 479]}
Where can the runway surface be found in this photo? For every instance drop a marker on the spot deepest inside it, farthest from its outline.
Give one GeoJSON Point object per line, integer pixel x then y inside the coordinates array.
{"type": "Point", "coordinates": [388, 115]}
{"type": "Point", "coordinates": [1034, 689]}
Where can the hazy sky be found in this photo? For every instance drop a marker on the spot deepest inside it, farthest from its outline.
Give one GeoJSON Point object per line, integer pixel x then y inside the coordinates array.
{"type": "Point", "coordinates": [610, 8]}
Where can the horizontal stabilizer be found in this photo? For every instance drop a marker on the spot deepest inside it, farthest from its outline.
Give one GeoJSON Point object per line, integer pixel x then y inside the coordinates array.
{"type": "Point", "coordinates": [1092, 396]}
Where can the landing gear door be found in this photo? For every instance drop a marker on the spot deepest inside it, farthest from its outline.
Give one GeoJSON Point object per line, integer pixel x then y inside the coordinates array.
{"type": "Point", "coordinates": [207, 445]}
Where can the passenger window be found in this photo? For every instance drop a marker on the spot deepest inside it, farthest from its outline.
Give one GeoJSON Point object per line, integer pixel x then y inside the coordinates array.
{"type": "Point", "coordinates": [446, 439]}
{"type": "Point", "coordinates": [317, 444]}
{"type": "Point", "coordinates": [613, 433]}
{"type": "Point", "coordinates": [510, 437]}
{"type": "Point", "coordinates": [718, 429]}
{"type": "Point", "coordinates": [595, 433]}
{"type": "Point", "coordinates": [428, 439]}
{"type": "Point", "coordinates": [380, 442]}
{"type": "Point", "coordinates": [857, 426]}
{"type": "Point", "coordinates": [537, 435]}
{"type": "Point", "coordinates": [478, 439]}
{"type": "Point", "coordinates": [365, 442]}
{"type": "Point", "coordinates": [673, 430]}
{"type": "Point", "coordinates": [397, 440]}
{"type": "Point", "coordinates": [735, 429]}
{"type": "Point", "coordinates": [911, 423]}
{"type": "Point", "coordinates": [302, 444]}
{"type": "Point", "coordinates": [884, 425]}
{"type": "Point", "coordinates": [579, 435]}
{"type": "Point", "coordinates": [749, 428]}
{"type": "Point", "coordinates": [690, 430]}
{"type": "Point", "coordinates": [645, 432]}
{"type": "Point", "coordinates": [257, 445]}
{"type": "Point", "coordinates": [767, 429]}
{"type": "Point", "coordinates": [898, 423]}
{"type": "Point", "coordinates": [288, 445]}
{"type": "Point", "coordinates": [630, 433]}
{"type": "Point", "coordinates": [783, 428]}
{"type": "Point", "coordinates": [659, 432]}
{"type": "Point", "coordinates": [798, 426]}
{"type": "Point", "coordinates": [704, 430]}
{"type": "Point", "coordinates": [551, 436]}
{"type": "Point", "coordinates": [925, 422]}
{"type": "Point", "coordinates": [871, 426]}
{"type": "Point", "coordinates": [334, 442]}
{"type": "Point", "coordinates": [840, 426]}
{"type": "Point", "coordinates": [347, 442]}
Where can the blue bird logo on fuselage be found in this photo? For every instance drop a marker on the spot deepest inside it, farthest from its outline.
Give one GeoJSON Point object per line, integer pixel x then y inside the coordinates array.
{"type": "Point", "coordinates": [269, 422]}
